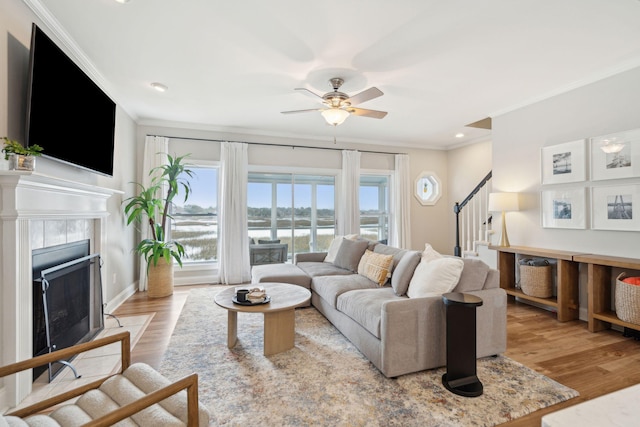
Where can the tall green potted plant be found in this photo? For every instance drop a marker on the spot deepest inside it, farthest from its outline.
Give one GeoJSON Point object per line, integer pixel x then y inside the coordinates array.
{"type": "Point", "coordinates": [153, 204]}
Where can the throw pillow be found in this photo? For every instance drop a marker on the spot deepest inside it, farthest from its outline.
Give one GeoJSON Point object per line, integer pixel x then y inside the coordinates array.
{"type": "Point", "coordinates": [403, 272]}
{"type": "Point", "coordinates": [263, 242]}
{"type": "Point", "coordinates": [335, 245]}
{"type": "Point", "coordinates": [435, 277]}
{"type": "Point", "coordinates": [375, 267]}
{"type": "Point", "coordinates": [429, 254]}
{"type": "Point", "coordinates": [349, 254]}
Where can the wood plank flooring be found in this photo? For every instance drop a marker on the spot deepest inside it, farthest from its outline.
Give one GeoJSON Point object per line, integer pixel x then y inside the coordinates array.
{"type": "Point", "coordinates": [592, 363]}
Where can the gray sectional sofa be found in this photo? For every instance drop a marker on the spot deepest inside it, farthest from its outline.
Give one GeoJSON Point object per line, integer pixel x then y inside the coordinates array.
{"type": "Point", "coordinates": [398, 334]}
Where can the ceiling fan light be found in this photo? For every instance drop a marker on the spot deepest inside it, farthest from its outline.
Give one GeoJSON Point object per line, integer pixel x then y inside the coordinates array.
{"type": "Point", "coordinates": [335, 116]}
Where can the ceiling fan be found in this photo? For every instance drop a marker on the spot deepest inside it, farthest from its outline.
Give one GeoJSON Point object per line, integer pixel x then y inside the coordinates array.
{"type": "Point", "coordinates": [338, 105]}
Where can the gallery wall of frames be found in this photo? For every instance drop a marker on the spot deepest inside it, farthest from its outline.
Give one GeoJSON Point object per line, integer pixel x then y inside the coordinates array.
{"type": "Point", "coordinates": [592, 183]}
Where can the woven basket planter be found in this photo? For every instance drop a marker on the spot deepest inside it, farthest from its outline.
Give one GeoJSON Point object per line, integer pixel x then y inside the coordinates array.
{"type": "Point", "coordinates": [535, 280]}
{"type": "Point", "coordinates": [627, 301]}
{"type": "Point", "coordinates": [160, 279]}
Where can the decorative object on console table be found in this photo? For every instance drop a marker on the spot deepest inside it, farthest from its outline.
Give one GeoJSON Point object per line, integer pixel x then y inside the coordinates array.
{"type": "Point", "coordinates": [503, 202]}
{"type": "Point", "coordinates": [628, 298]}
{"type": "Point", "coordinates": [20, 157]}
{"type": "Point", "coordinates": [535, 277]}
{"type": "Point", "coordinates": [149, 206]}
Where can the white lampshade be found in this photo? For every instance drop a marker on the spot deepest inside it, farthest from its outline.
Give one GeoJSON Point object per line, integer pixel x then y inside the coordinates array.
{"type": "Point", "coordinates": [335, 116]}
{"type": "Point", "coordinates": [503, 202]}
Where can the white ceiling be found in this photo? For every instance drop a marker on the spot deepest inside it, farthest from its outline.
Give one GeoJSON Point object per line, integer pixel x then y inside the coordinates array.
{"type": "Point", "coordinates": [233, 65]}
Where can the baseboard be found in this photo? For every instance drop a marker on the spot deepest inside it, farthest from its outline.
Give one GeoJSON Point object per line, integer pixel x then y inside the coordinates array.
{"type": "Point", "coordinates": [111, 306]}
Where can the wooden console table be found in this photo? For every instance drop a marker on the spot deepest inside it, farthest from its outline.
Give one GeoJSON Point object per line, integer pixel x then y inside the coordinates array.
{"type": "Point", "coordinates": [601, 316]}
{"type": "Point", "coordinates": [566, 302]}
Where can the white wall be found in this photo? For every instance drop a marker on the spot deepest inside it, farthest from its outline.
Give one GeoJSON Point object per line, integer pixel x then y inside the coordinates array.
{"type": "Point", "coordinates": [600, 108]}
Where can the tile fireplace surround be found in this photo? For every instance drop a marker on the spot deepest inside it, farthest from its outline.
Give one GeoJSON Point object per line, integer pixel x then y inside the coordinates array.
{"type": "Point", "coordinates": [37, 211]}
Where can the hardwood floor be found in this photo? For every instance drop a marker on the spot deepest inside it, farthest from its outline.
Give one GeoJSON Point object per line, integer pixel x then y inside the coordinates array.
{"type": "Point", "coordinates": [591, 363]}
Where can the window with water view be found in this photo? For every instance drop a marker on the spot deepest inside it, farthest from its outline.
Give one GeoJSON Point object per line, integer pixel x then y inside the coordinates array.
{"type": "Point", "coordinates": [296, 209]}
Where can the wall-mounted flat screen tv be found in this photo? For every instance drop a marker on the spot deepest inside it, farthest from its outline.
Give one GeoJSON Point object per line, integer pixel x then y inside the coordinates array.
{"type": "Point", "coordinates": [67, 113]}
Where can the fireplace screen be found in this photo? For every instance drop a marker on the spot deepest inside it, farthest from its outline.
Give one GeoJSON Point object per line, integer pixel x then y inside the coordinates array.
{"type": "Point", "coordinates": [67, 300]}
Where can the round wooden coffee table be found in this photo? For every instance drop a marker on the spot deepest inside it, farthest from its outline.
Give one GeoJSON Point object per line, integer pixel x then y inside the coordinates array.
{"type": "Point", "coordinates": [279, 314]}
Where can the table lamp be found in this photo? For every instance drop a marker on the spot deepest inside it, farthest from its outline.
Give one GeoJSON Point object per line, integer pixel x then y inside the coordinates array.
{"type": "Point", "coordinates": [503, 202]}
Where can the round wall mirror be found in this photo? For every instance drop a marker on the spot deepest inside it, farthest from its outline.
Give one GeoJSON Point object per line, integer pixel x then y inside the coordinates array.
{"type": "Point", "coordinates": [428, 188]}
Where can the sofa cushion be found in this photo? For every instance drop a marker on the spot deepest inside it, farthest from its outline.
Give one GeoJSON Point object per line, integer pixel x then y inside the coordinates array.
{"type": "Point", "coordinates": [349, 254]}
{"type": "Point", "coordinates": [365, 306]}
{"type": "Point", "coordinates": [330, 287]}
{"type": "Point", "coordinates": [376, 267]}
{"type": "Point", "coordinates": [403, 272]}
{"type": "Point", "coordinates": [474, 275]}
{"type": "Point", "coordinates": [435, 277]}
{"type": "Point", "coordinates": [314, 269]}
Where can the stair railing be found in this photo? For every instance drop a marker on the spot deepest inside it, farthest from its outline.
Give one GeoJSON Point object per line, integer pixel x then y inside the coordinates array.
{"type": "Point", "coordinates": [473, 221]}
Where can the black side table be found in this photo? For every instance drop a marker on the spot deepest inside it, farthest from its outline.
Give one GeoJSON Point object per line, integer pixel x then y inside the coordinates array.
{"type": "Point", "coordinates": [461, 377]}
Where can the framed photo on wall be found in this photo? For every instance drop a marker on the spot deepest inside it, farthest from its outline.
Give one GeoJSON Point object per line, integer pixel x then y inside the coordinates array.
{"type": "Point", "coordinates": [564, 208]}
{"type": "Point", "coordinates": [564, 163]}
{"type": "Point", "coordinates": [616, 155]}
{"type": "Point", "coordinates": [612, 207]}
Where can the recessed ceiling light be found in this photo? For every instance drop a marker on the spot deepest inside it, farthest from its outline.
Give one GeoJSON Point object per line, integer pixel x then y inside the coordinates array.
{"type": "Point", "coordinates": [159, 87]}
{"type": "Point", "coordinates": [122, 1]}
{"type": "Point", "coordinates": [459, 135]}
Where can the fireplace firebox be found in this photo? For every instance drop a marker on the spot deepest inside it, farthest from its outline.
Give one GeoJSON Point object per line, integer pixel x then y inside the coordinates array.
{"type": "Point", "coordinates": [67, 300]}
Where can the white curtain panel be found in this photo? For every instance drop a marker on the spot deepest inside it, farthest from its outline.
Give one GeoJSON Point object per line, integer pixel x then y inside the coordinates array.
{"type": "Point", "coordinates": [399, 235]}
{"type": "Point", "coordinates": [348, 221]}
{"type": "Point", "coordinates": [155, 154]}
{"type": "Point", "coordinates": [233, 231]}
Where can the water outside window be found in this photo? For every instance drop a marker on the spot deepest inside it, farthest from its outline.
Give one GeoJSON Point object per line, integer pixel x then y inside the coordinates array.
{"type": "Point", "coordinates": [195, 223]}
{"type": "Point", "coordinates": [298, 210]}
{"type": "Point", "coordinates": [374, 207]}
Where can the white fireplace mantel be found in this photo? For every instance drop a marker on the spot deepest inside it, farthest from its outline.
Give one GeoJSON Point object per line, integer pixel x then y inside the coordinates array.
{"type": "Point", "coordinates": [25, 198]}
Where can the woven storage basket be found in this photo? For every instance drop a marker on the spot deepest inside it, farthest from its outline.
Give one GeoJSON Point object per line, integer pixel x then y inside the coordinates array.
{"type": "Point", "coordinates": [627, 301]}
{"type": "Point", "coordinates": [535, 280]}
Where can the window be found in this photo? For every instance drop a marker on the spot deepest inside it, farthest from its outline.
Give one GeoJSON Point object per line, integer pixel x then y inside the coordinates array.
{"type": "Point", "coordinates": [195, 223]}
{"type": "Point", "coordinates": [296, 209]}
{"type": "Point", "coordinates": [374, 207]}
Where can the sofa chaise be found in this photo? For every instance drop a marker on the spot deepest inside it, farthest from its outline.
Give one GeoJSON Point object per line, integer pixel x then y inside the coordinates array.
{"type": "Point", "coordinates": [395, 315]}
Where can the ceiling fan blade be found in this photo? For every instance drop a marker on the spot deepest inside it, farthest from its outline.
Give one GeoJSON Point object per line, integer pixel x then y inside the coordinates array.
{"type": "Point", "coordinates": [367, 113]}
{"type": "Point", "coordinates": [366, 95]}
{"type": "Point", "coordinates": [310, 93]}
{"type": "Point", "coordinates": [302, 111]}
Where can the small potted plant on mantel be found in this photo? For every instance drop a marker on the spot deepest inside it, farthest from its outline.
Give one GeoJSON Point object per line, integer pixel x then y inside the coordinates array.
{"type": "Point", "coordinates": [159, 250]}
{"type": "Point", "coordinates": [20, 157]}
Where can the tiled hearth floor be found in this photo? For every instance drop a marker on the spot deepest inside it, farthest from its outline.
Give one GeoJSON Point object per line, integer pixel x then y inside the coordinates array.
{"type": "Point", "coordinates": [90, 365]}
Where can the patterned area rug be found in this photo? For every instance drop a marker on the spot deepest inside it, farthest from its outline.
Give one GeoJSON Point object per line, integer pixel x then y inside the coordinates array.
{"type": "Point", "coordinates": [325, 381]}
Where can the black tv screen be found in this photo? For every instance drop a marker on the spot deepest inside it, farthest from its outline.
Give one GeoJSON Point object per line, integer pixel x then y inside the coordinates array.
{"type": "Point", "coordinates": [67, 113]}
